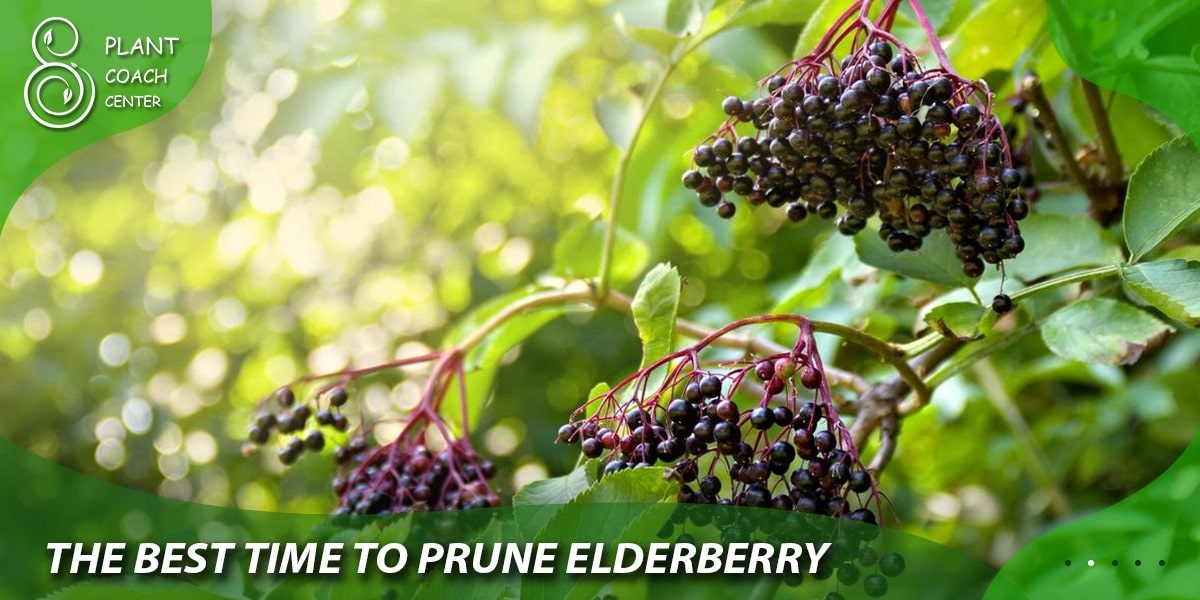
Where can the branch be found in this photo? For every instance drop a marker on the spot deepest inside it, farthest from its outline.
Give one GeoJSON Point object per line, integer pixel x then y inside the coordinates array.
{"type": "Point", "coordinates": [751, 345]}
{"type": "Point", "coordinates": [1031, 87]}
{"type": "Point", "coordinates": [880, 407]}
{"type": "Point", "coordinates": [618, 185]}
{"type": "Point", "coordinates": [1108, 143]}
{"type": "Point", "coordinates": [885, 351]}
{"type": "Point", "coordinates": [1039, 466]}
{"type": "Point", "coordinates": [575, 292]}
{"type": "Point", "coordinates": [1076, 277]}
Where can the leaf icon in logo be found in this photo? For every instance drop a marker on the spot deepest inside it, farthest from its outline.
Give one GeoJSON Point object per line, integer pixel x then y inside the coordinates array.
{"type": "Point", "coordinates": [49, 37]}
{"type": "Point", "coordinates": [67, 96]}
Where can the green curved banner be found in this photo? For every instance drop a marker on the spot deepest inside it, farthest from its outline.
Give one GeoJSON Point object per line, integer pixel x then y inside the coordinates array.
{"type": "Point", "coordinates": [78, 71]}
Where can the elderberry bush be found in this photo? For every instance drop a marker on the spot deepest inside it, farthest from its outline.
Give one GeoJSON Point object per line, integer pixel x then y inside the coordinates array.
{"type": "Point", "coordinates": [872, 135]}
{"type": "Point", "coordinates": [760, 433]}
{"type": "Point", "coordinates": [424, 468]}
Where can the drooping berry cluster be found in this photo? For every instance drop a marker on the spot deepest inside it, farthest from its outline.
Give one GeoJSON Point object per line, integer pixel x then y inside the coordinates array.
{"type": "Point", "coordinates": [425, 467]}
{"type": "Point", "coordinates": [403, 477]}
{"type": "Point", "coordinates": [743, 433]}
{"type": "Point", "coordinates": [290, 418]}
{"type": "Point", "coordinates": [872, 135]}
{"type": "Point", "coordinates": [857, 554]}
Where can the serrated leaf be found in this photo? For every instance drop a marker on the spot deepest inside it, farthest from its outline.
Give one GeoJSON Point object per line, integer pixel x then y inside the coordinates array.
{"type": "Point", "coordinates": [537, 502]}
{"type": "Point", "coordinates": [556, 490]}
{"type": "Point", "coordinates": [1101, 330]}
{"type": "Point", "coordinates": [654, 308]}
{"type": "Point", "coordinates": [957, 320]}
{"type": "Point", "coordinates": [619, 116]}
{"type": "Point", "coordinates": [1172, 286]}
{"type": "Point", "coordinates": [1164, 196]}
{"type": "Point", "coordinates": [642, 485]}
{"type": "Point", "coordinates": [1057, 243]}
{"type": "Point", "coordinates": [934, 262]}
{"type": "Point", "coordinates": [627, 498]}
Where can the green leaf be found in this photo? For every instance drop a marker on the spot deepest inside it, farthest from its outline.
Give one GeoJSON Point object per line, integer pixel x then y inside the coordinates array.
{"type": "Point", "coordinates": [320, 104]}
{"type": "Point", "coordinates": [654, 308]}
{"type": "Point", "coordinates": [405, 98]}
{"type": "Point", "coordinates": [628, 498]}
{"type": "Point", "coordinates": [1101, 330]}
{"type": "Point", "coordinates": [1057, 243]}
{"type": "Point", "coordinates": [594, 407]}
{"type": "Point", "coordinates": [556, 490]}
{"type": "Point", "coordinates": [537, 502]}
{"type": "Point", "coordinates": [542, 48]}
{"type": "Point", "coordinates": [958, 320]}
{"type": "Point", "coordinates": [832, 251]}
{"type": "Point", "coordinates": [663, 42]}
{"type": "Point", "coordinates": [755, 13]}
{"type": "Point", "coordinates": [577, 253]}
{"type": "Point", "coordinates": [1164, 196]}
{"type": "Point", "coordinates": [619, 116]}
{"type": "Point", "coordinates": [684, 16]}
{"type": "Point", "coordinates": [815, 27]}
{"type": "Point", "coordinates": [643, 485]}
{"type": "Point", "coordinates": [483, 362]}
{"type": "Point", "coordinates": [478, 73]}
{"type": "Point", "coordinates": [934, 262]}
{"type": "Point", "coordinates": [977, 48]}
{"type": "Point", "coordinates": [937, 11]}
{"type": "Point", "coordinates": [1172, 286]}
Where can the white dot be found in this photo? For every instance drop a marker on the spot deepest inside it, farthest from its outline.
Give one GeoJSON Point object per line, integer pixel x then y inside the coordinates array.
{"type": "Point", "coordinates": [114, 349]}
{"type": "Point", "coordinates": [86, 267]}
{"type": "Point", "coordinates": [168, 328]}
{"type": "Point", "coordinates": [137, 415]}
{"type": "Point", "coordinates": [1091, 563]}
{"type": "Point", "coordinates": [38, 324]}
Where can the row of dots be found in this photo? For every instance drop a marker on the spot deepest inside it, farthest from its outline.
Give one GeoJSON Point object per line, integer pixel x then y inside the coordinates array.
{"type": "Point", "coordinates": [1136, 563]}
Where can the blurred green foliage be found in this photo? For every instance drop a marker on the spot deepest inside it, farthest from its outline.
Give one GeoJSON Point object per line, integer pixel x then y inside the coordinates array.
{"type": "Point", "coordinates": [349, 179]}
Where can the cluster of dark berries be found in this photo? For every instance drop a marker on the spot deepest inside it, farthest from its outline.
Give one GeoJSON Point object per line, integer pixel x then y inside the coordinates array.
{"type": "Point", "coordinates": [852, 559]}
{"type": "Point", "coordinates": [289, 419]}
{"type": "Point", "coordinates": [424, 468]}
{"type": "Point", "coordinates": [852, 569]}
{"type": "Point", "coordinates": [872, 135]}
{"type": "Point", "coordinates": [401, 478]}
{"type": "Point", "coordinates": [776, 449]}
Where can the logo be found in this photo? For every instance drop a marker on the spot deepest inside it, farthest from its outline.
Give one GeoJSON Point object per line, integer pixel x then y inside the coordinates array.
{"type": "Point", "coordinates": [58, 95]}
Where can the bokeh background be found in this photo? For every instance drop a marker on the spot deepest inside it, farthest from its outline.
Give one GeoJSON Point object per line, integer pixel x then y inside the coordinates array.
{"type": "Point", "coordinates": [350, 178]}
